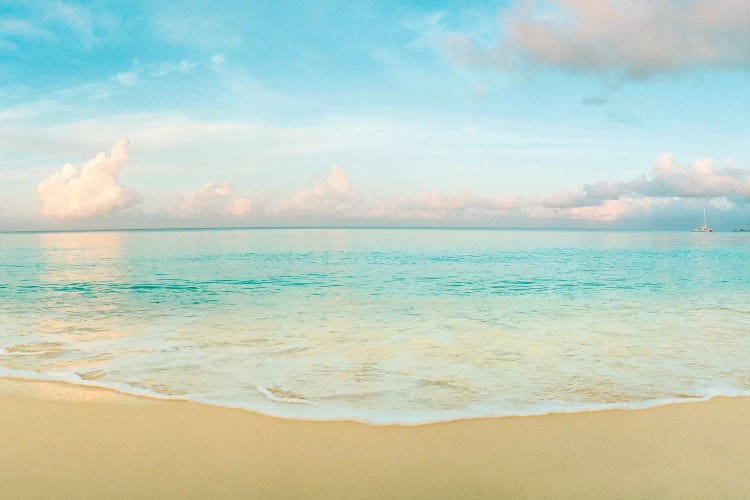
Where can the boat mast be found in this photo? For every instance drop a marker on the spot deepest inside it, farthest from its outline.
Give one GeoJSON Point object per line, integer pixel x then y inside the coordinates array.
{"type": "Point", "coordinates": [705, 222]}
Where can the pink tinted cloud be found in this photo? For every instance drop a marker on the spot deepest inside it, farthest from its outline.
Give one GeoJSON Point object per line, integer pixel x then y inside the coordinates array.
{"type": "Point", "coordinates": [610, 210]}
{"type": "Point", "coordinates": [633, 38]}
{"type": "Point", "coordinates": [701, 179]}
{"type": "Point", "coordinates": [89, 190]}
{"type": "Point", "coordinates": [333, 195]}
{"type": "Point", "coordinates": [606, 201]}
{"type": "Point", "coordinates": [215, 198]}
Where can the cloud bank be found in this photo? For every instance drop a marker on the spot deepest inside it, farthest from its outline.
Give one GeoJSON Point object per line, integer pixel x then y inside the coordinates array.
{"type": "Point", "coordinates": [629, 38]}
{"type": "Point", "coordinates": [93, 189]}
{"type": "Point", "coordinates": [89, 190]}
{"type": "Point", "coordinates": [334, 197]}
{"type": "Point", "coordinates": [668, 182]}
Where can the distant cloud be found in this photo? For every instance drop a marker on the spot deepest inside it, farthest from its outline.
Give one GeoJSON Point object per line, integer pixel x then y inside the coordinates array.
{"type": "Point", "coordinates": [215, 198]}
{"type": "Point", "coordinates": [183, 66]}
{"type": "Point", "coordinates": [217, 61]}
{"type": "Point", "coordinates": [143, 73]}
{"type": "Point", "coordinates": [701, 179]}
{"type": "Point", "coordinates": [151, 131]}
{"type": "Point", "coordinates": [89, 190]}
{"type": "Point", "coordinates": [94, 189]}
{"type": "Point", "coordinates": [668, 183]}
{"type": "Point", "coordinates": [128, 78]}
{"type": "Point", "coordinates": [21, 28]}
{"type": "Point", "coordinates": [668, 187]}
{"type": "Point", "coordinates": [330, 196]}
{"type": "Point", "coordinates": [42, 21]}
{"type": "Point", "coordinates": [27, 111]}
{"type": "Point", "coordinates": [629, 38]}
{"type": "Point", "coordinates": [76, 18]}
{"type": "Point", "coordinates": [608, 210]}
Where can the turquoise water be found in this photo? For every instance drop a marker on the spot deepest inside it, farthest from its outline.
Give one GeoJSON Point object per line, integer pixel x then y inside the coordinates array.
{"type": "Point", "coordinates": [382, 325]}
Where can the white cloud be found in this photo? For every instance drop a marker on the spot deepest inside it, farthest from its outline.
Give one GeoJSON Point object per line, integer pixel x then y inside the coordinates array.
{"type": "Point", "coordinates": [76, 18]}
{"type": "Point", "coordinates": [668, 183]}
{"type": "Point", "coordinates": [27, 111]}
{"type": "Point", "coordinates": [151, 131]}
{"type": "Point", "coordinates": [607, 210]}
{"type": "Point", "coordinates": [701, 179]}
{"type": "Point", "coordinates": [183, 66]}
{"type": "Point", "coordinates": [632, 38]}
{"type": "Point", "coordinates": [260, 147]}
{"type": "Point", "coordinates": [88, 190]}
{"type": "Point", "coordinates": [144, 73]}
{"type": "Point", "coordinates": [215, 198]}
{"type": "Point", "coordinates": [217, 61]}
{"type": "Point", "coordinates": [21, 28]}
{"type": "Point", "coordinates": [333, 195]}
{"type": "Point", "coordinates": [128, 78]}
{"type": "Point", "coordinates": [336, 198]}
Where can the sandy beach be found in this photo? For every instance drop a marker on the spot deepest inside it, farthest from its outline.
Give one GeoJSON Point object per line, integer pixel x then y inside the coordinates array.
{"type": "Point", "coordinates": [61, 440]}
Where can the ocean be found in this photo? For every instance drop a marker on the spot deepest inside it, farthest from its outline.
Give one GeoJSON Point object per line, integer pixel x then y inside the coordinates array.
{"type": "Point", "coordinates": [382, 325]}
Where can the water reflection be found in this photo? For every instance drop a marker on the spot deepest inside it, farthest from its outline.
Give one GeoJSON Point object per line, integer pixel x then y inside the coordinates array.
{"type": "Point", "coordinates": [383, 324]}
{"type": "Point", "coordinates": [81, 257]}
{"type": "Point", "coordinates": [72, 307]}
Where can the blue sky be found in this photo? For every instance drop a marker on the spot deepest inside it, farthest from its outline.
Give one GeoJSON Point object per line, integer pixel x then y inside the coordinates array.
{"type": "Point", "coordinates": [435, 113]}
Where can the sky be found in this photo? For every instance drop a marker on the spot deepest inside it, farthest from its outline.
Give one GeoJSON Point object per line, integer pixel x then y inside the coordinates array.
{"type": "Point", "coordinates": [623, 114]}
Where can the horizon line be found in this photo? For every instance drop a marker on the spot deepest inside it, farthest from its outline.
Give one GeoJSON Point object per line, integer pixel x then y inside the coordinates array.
{"type": "Point", "coordinates": [328, 227]}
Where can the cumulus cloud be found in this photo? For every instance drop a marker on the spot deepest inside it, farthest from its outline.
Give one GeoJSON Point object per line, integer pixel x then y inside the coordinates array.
{"type": "Point", "coordinates": [701, 179]}
{"type": "Point", "coordinates": [630, 38]}
{"type": "Point", "coordinates": [215, 198]}
{"type": "Point", "coordinates": [330, 196]}
{"type": "Point", "coordinates": [93, 189]}
{"type": "Point", "coordinates": [667, 183]}
{"type": "Point", "coordinates": [335, 196]}
{"type": "Point", "coordinates": [608, 210]}
{"type": "Point", "coordinates": [88, 190]}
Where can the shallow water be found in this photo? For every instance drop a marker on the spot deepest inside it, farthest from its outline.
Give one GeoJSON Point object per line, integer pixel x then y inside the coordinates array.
{"type": "Point", "coordinates": [383, 325]}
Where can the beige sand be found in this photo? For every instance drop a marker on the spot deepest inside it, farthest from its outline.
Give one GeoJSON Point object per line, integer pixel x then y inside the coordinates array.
{"type": "Point", "coordinates": [59, 440]}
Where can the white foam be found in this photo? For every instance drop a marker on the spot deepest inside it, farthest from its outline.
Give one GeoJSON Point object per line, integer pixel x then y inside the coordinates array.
{"type": "Point", "coordinates": [279, 399]}
{"type": "Point", "coordinates": [290, 408]}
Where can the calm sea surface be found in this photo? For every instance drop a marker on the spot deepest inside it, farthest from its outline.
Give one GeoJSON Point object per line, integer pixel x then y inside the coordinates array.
{"type": "Point", "coordinates": [382, 325]}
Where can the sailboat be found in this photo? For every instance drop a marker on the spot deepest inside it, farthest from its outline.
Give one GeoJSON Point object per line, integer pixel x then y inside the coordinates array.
{"type": "Point", "coordinates": [704, 228]}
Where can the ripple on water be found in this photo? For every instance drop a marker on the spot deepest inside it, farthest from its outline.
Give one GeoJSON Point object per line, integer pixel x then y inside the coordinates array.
{"type": "Point", "coordinates": [383, 325]}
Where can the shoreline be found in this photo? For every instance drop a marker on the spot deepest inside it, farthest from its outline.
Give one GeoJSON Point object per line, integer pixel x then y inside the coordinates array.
{"type": "Point", "coordinates": [149, 395]}
{"type": "Point", "coordinates": [67, 440]}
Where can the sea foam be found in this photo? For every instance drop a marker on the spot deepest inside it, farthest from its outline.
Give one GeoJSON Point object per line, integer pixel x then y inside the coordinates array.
{"type": "Point", "coordinates": [382, 326]}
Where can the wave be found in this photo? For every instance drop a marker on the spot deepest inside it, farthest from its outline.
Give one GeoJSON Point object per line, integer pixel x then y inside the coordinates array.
{"type": "Point", "coordinates": [280, 396]}
{"type": "Point", "coordinates": [294, 410]}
